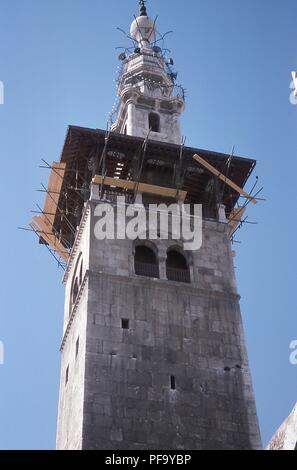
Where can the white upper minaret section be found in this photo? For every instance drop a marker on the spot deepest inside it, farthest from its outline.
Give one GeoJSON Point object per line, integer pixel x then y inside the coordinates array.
{"type": "Point", "coordinates": [146, 89]}
{"type": "Point", "coordinates": [143, 30]}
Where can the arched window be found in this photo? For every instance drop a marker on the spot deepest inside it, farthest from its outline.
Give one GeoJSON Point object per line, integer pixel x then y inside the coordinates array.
{"type": "Point", "coordinates": [81, 273]}
{"type": "Point", "coordinates": [177, 268]}
{"type": "Point", "coordinates": [154, 122]}
{"type": "Point", "coordinates": [145, 262]}
{"type": "Point", "coordinates": [74, 291]}
{"type": "Point", "coordinates": [76, 282]}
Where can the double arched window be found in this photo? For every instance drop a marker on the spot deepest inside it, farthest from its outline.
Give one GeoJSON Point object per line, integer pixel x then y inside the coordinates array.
{"type": "Point", "coordinates": [177, 268]}
{"type": "Point", "coordinates": [146, 262]}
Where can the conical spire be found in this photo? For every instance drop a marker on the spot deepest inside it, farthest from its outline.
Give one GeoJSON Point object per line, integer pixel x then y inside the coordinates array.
{"type": "Point", "coordinates": [142, 11]}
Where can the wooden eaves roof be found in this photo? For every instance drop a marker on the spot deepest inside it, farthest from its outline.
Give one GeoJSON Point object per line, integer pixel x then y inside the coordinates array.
{"type": "Point", "coordinates": [81, 160]}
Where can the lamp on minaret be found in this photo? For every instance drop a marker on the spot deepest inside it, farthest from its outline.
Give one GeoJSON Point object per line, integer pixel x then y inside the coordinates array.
{"type": "Point", "coordinates": [143, 28]}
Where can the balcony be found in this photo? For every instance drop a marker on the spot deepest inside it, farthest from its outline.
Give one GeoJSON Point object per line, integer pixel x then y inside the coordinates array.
{"type": "Point", "coordinates": [146, 269]}
{"type": "Point", "coordinates": [178, 275]}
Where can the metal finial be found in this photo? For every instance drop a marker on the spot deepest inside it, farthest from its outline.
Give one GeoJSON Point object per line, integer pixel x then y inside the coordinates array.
{"type": "Point", "coordinates": [142, 8]}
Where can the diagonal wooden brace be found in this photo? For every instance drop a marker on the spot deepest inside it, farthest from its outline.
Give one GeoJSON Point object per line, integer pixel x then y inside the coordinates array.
{"type": "Point", "coordinates": [224, 178]}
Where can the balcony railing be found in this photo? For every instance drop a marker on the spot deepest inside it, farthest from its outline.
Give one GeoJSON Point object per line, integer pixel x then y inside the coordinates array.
{"type": "Point", "coordinates": [178, 275]}
{"type": "Point", "coordinates": [146, 269]}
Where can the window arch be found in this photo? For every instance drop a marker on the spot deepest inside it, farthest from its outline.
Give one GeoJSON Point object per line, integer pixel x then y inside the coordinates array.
{"type": "Point", "coordinates": [76, 281]}
{"type": "Point", "coordinates": [75, 291]}
{"type": "Point", "coordinates": [177, 268]}
{"type": "Point", "coordinates": [146, 262]}
{"type": "Point", "coordinates": [154, 122]}
{"type": "Point", "coordinates": [81, 273]}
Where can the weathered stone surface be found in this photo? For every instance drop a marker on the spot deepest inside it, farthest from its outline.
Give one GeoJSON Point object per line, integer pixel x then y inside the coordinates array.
{"type": "Point", "coordinates": [118, 394]}
{"type": "Point", "coordinates": [285, 437]}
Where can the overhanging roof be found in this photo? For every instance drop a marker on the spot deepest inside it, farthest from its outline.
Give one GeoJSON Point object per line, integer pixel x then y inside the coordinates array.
{"type": "Point", "coordinates": [82, 157]}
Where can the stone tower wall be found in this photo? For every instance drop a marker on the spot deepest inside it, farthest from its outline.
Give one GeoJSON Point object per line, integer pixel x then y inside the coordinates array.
{"type": "Point", "coordinates": [120, 396]}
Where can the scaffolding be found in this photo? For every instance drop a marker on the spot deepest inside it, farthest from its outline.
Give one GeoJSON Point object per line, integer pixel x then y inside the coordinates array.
{"type": "Point", "coordinates": [125, 165]}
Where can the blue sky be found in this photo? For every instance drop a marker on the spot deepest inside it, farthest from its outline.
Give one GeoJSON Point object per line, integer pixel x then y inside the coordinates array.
{"type": "Point", "coordinates": [58, 62]}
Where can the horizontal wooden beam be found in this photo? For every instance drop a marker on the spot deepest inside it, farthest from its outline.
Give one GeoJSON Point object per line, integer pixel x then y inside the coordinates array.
{"type": "Point", "coordinates": [224, 178]}
{"type": "Point", "coordinates": [142, 187]}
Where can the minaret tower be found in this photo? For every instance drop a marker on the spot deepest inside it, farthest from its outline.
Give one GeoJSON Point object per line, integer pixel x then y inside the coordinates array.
{"type": "Point", "coordinates": [149, 100]}
{"type": "Point", "coordinates": [152, 351]}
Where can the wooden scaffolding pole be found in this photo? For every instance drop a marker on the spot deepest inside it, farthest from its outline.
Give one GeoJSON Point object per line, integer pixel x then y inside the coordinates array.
{"type": "Point", "coordinates": [224, 178]}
